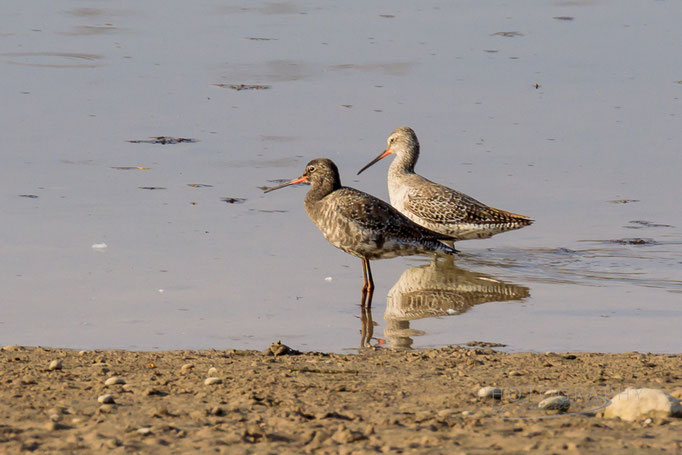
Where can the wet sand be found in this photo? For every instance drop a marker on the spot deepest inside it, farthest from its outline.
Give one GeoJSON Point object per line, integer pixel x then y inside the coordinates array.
{"type": "Point", "coordinates": [377, 400]}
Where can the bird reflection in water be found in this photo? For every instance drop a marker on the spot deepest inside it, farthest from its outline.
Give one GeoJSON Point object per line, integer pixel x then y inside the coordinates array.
{"type": "Point", "coordinates": [437, 289]}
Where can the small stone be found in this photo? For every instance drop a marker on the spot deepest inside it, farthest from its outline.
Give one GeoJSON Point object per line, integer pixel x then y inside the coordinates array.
{"type": "Point", "coordinates": [114, 380]}
{"type": "Point", "coordinates": [107, 398]}
{"type": "Point", "coordinates": [632, 404]}
{"type": "Point", "coordinates": [55, 417]}
{"type": "Point", "coordinates": [277, 349]}
{"type": "Point", "coordinates": [212, 372]}
{"type": "Point", "coordinates": [151, 391]}
{"type": "Point", "coordinates": [55, 365]}
{"type": "Point", "coordinates": [144, 431]}
{"type": "Point", "coordinates": [490, 392]}
{"type": "Point", "coordinates": [212, 381]}
{"type": "Point", "coordinates": [106, 408]}
{"type": "Point", "coordinates": [558, 403]}
{"type": "Point", "coordinates": [515, 373]}
{"type": "Point", "coordinates": [186, 367]}
{"type": "Point", "coordinates": [554, 392]}
{"type": "Point", "coordinates": [53, 426]}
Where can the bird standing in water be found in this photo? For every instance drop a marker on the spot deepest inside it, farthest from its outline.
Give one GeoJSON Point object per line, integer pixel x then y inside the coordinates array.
{"type": "Point", "coordinates": [360, 224]}
{"type": "Point", "coordinates": [437, 207]}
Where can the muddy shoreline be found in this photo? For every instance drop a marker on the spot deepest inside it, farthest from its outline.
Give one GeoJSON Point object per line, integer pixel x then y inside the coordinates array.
{"type": "Point", "coordinates": [377, 400]}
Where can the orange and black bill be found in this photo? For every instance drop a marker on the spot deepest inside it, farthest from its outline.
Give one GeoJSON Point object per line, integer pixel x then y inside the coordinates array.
{"type": "Point", "coordinates": [301, 179]}
{"type": "Point", "coordinates": [383, 155]}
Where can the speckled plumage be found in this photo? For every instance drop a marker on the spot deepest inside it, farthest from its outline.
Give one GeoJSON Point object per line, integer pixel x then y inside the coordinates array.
{"type": "Point", "coordinates": [437, 207]}
{"type": "Point", "coordinates": [359, 223]}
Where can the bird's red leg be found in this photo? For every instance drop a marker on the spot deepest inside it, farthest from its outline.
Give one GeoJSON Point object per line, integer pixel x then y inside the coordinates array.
{"type": "Point", "coordinates": [367, 284]}
{"type": "Point", "coordinates": [370, 286]}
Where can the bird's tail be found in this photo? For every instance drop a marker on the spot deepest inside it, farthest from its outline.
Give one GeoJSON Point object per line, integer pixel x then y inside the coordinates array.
{"type": "Point", "coordinates": [447, 248]}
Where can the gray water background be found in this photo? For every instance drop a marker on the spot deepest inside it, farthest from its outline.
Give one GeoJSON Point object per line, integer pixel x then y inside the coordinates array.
{"type": "Point", "coordinates": [554, 121]}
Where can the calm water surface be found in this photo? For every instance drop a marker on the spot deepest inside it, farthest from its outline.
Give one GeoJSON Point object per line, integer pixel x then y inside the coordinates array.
{"type": "Point", "coordinates": [560, 110]}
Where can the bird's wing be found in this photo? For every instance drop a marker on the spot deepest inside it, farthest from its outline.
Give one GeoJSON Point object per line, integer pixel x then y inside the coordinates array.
{"type": "Point", "coordinates": [370, 213]}
{"type": "Point", "coordinates": [439, 204]}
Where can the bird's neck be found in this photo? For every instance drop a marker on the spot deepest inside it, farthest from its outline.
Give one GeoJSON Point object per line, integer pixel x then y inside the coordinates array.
{"type": "Point", "coordinates": [320, 190]}
{"type": "Point", "coordinates": [405, 161]}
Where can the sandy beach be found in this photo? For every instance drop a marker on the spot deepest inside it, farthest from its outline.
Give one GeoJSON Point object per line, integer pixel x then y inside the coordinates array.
{"type": "Point", "coordinates": [282, 401]}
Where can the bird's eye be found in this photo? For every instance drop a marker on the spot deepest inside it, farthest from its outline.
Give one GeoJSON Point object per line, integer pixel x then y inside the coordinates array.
{"type": "Point", "coordinates": [311, 168]}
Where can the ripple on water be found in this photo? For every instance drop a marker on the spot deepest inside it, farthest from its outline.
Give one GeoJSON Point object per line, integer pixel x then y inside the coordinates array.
{"type": "Point", "coordinates": [649, 264]}
{"type": "Point", "coordinates": [53, 59]}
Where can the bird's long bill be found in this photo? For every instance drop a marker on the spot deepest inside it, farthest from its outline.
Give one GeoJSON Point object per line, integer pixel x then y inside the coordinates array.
{"type": "Point", "coordinates": [301, 179]}
{"type": "Point", "coordinates": [383, 155]}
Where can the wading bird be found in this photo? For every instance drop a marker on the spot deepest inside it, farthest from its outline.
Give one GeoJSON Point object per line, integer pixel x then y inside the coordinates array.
{"type": "Point", "coordinates": [361, 224]}
{"type": "Point", "coordinates": [437, 207]}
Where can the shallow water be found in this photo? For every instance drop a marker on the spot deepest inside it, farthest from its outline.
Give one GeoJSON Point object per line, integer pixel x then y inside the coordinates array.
{"type": "Point", "coordinates": [563, 121]}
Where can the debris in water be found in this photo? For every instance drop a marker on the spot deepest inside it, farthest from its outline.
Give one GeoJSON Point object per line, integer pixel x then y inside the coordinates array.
{"type": "Point", "coordinates": [240, 87]}
{"type": "Point", "coordinates": [164, 140]}
{"type": "Point", "coordinates": [623, 201]}
{"type": "Point", "coordinates": [645, 224]}
{"type": "Point", "coordinates": [507, 34]}
{"type": "Point", "coordinates": [199, 185]}
{"type": "Point", "coordinates": [233, 200]}
{"type": "Point", "coordinates": [99, 246]}
{"type": "Point", "coordinates": [152, 187]}
{"type": "Point", "coordinates": [30, 196]}
{"type": "Point", "coordinates": [253, 38]}
{"type": "Point", "coordinates": [130, 168]}
{"type": "Point", "coordinates": [633, 241]}
{"type": "Point", "coordinates": [387, 16]}
{"type": "Point", "coordinates": [563, 18]}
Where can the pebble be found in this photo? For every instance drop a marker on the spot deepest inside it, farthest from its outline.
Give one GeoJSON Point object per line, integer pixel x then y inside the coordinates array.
{"type": "Point", "coordinates": [52, 426]}
{"type": "Point", "coordinates": [554, 392]}
{"type": "Point", "coordinates": [114, 380]}
{"type": "Point", "coordinates": [144, 430]}
{"type": "Point", "coordinates": [213, 380]}
{"type": "Point", "coordinates": [490, 392]}
{"type": "Point", "coordinates": [558, 403]}
{"type": "Point", "coordinates": [55, 365]}
{"type": "Point", "coordinates": [632, 404]}
{"type": "Point", "coordinates": [186, 367]}
{"type": "Point", "coordinates": [106, 398]}
{"type": "Point", "coordinates": [212, 372]}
